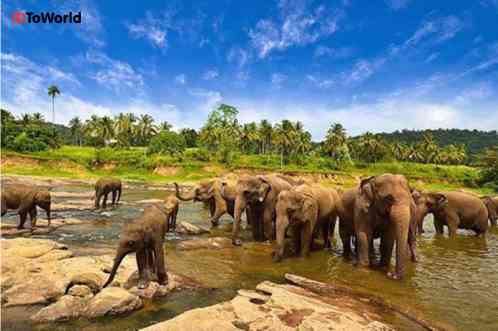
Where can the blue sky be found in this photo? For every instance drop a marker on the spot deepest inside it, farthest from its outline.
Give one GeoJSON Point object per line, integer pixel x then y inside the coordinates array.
{"type": "Point", "coordinates": [370, 65]}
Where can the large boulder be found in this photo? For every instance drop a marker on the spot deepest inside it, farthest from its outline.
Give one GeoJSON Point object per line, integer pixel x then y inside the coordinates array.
{"type": "Point", "coordinates": [272, 307]}
{"type": "Point", "coordinates": [112, 301]}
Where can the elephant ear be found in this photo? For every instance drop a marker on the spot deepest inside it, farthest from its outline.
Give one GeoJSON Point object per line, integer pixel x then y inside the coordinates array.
{"type": "Point", "coordinates": [489, 202]}
{"type": "Point", "coordinates": [439, 200]}
{"type": "Point", "coordinates": [264, 189]}
{"type": "Point", "coordinates": [310, 209]}
{"type": "Point", "coordinates": [366, 192]}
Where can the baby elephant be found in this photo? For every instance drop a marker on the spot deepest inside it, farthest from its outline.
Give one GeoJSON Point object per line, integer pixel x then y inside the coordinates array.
{"type": "Point", "coordinates": [171, 204]}
{"type": "Point", "coordinates": [25, 199]}
{"type": "Point", "coordinates": [145, 237]}
{"type": "Point", "coordinates": [306, 208]}
{"type": "Point", "coordinates": [103, 187]}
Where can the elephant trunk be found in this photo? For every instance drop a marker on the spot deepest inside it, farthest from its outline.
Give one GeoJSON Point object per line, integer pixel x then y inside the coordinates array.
{"type": "Point", "coordinates": [117, 261]}
{"type": "Point", "coordinates": [400, 217]}
{"type": "Point", "coordinates": [240, 206]}
{"type": "Point", "coordinates": [188, 197]}
{"type": "Point", "coordinates": [281, 227]}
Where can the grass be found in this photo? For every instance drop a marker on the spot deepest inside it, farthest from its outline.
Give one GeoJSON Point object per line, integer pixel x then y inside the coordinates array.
{"type": "Point", "coordinates": [134, 164]}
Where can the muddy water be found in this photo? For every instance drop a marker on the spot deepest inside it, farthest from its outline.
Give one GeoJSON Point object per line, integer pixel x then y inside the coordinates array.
{"type": "Point", "coordinates": [454, 284]}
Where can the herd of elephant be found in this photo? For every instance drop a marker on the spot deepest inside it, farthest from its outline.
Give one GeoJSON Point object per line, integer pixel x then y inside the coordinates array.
{"type": "Point", "coordinates": [277, 206]}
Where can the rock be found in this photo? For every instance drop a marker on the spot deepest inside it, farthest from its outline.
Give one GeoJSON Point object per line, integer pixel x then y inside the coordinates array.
{"type": "Point", "coordinates": [147, 201]}
{"type": "Point", "coordinates": [210, 243]}
{"type": "Point", "coordinates": [272, 307]}
{"type": "Point", "coordinates": [112, 301]}
{"type": "Point", "coordinates": [68, 307]}
{"type": "Point", "coordinates": [92, 280]}
{"type": "Point", "coordinates": [82, 291]}
{"type": "Point", "coordinates": [154, 290]}
{"type": "Point", "coordinates": [187, 228]}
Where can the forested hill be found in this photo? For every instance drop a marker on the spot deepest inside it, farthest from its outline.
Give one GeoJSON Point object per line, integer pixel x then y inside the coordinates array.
{"type": "Point", "coordinates": [475, 140]}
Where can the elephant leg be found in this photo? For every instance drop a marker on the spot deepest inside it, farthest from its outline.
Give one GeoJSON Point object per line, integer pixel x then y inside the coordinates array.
{"type": "Point", "coordinates": [32, 216]}
{"type": "Point", "coordinates": [363, 237]}
{"type": "Point", "coordinates": [452, 220]}
{"type": "Point", "coordinates": [215, 216]}
{"type": "Point", "coordinates": [150, 265]}
{"type": "Point", "coordinates": [326, 235]}
{"type": "Point", "coordinates": [119, 196]}
{"type": "Point", "coordinates": [114, 193]}
{"type": "Point", "coordinates": [438, 225]}
{"type": "Point", "coordinates": [420, 226]}
{"type": "Point", "coordinates": [306, 237]}
{"type": "Point", "coordinates": [143, 281]}
{"type": "Point", "coordinates": [97, 199]}
{"type": "Point", "coordinates": [175, 213]}
{"type": "Point", "coordinates": [104, 203]}
{"type": "Point", "coordinates": [296, 238]}
{"type": "Point", "coordinates": [346, 240]}
{"type": "Point", "coordinates": [386, 247]}
{"type": "Point", "coordinates": [412, 244]}
{"type": "Point", "coordinates": [160, 266]}
{"type": "Point", "coordinates": [22, 219]}
{"type": "Point", "coordinates": [268, 224]}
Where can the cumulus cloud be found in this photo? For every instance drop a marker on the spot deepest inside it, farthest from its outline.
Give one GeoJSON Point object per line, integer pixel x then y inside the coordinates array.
{"type": "Point", "coordinates": [114, 74]}
{"type": "Point", "coordinates": [151, 28]}
{"type": "Point", "coordinates": [24, 90]}
{"type": "Point", "coordinates": [297, 25]}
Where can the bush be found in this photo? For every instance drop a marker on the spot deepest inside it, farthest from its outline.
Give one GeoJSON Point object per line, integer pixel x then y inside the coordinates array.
{"type": "Point", "coordinates": [197, 154]}
{"type": "Point", "coordinates": [23, 143]}
{"type": "Point", "coordinates": [167, 142]}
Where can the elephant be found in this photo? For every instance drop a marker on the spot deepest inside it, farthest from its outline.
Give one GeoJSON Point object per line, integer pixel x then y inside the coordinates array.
{"type": "Point", "coordinates": [145, 237]}
{"type": "Point", "coordinates": [346, 209]}
{"type": "Point", "coordinates": [456, 210]}
{"type": "Point", "coordinates": [171, 205]}
{"type": "Point", "coordinates": [306, 208]}
{"type": "Point", "coordinates": [492, 205]}
{"type": "Point", "coordinates": [257, 195]}
{"type": "Point", "coordinates": [25, 199]}
{"type": "Point", "coordinates": [103, 187]}
{"type": "Point", "coordinates": [210, 193]}
{"type": "Point", "coordinates": [384, 207]}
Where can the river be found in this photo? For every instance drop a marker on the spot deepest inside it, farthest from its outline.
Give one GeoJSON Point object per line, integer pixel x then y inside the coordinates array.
{"type": "Point", "coordinates": [454, 283]}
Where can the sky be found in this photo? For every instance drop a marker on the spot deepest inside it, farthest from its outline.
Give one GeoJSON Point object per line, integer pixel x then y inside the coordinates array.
{"type": "Point", "coordinates": [377, 66]}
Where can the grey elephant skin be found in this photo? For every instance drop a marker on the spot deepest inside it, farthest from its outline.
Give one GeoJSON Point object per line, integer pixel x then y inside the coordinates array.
{"type": "Point", "coordinates": [25, 199]}
{"type": "Point", "coordinates": [145, 237]}
{"type": "Point", "coordinates": [384, 207]}
{"type": "Point", "coordinates": [171, 207]}
{"type": "Point", "coordinates": [492, 206]}
{"type": "Point", "coordinates": [210, 193]}
{"type": "Point", "coordinates": [456, 210]}
{"type": "Point", "coordinates": [305, 209]}
{"type": "Point", "coordinates": [103, 187]}
{"type": "Point", "coordinates": [257, 195]}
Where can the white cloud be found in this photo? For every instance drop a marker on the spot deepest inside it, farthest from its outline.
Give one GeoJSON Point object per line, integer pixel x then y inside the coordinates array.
{"type": "Point", "coordinates": [181, 79]}
{"type": "Point", "coordinates": [114, 74]}
{"type": "Point", "coordinates": [297, 25]}
{"type": "Point", "coordinates": [239, 56]}
{"type": "Point", "coordinates": [436, 30]}
{"type": "Point", "coordinates": [210, 74]}
{"type": "Point", "coordinates": [321, 83]}
{"type": "Point", "coordinates": [209, 100]}
{"type": "Point", "coordinates": [397, 4]}
{"type": "Point", "coordinates": [24, 90]}
{"type": "Point", "coordinates": [152, 29]}
{"type": "Point", "coordinates": [277, 79]}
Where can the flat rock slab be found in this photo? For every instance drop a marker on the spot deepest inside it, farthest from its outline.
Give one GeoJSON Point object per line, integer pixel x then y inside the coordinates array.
{"type": "Point", "coordinates": [272, 307]}
{"type": "Point", "coordinates": [187, 228]}
{"type": "Point", "coordinates": [39, 271]}
{"type": "Point", "coordinates": [205, 243]}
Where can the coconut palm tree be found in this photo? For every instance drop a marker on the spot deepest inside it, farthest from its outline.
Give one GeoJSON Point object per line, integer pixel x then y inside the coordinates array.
{"type": "Point", "coordinates": [145, 129]}
{"type": "Point", "coordinates": [76, 127]}
{"type": "Point", "coordinates": [165, 126]}
{"type": "Point", "coordinates": [53, 91]}
{"type": "Point", "coordinates": [124, 128]}
{"type": "Point", "coordinates": [37, 118]}
{"type": "Point", "coordinates": [106, 129]}
{"type": "Point", "coordinates": [265, 133]}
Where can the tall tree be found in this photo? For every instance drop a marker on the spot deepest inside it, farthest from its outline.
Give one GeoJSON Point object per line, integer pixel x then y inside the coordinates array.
{"type": "Point", "coordinates": [53, 91]}
{"type": "Point", "coordinates": [76, 127]}
{"type": "Point", "coordinates": [145, 129]}
{"type": "Point", "coordinates": [265, 133]}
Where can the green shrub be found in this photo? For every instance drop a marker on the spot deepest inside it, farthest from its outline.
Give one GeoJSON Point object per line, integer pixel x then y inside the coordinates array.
{"type": "Point", "coordinates": [23, 143]}
{"type": "Point", "coordinates": [167, 142]}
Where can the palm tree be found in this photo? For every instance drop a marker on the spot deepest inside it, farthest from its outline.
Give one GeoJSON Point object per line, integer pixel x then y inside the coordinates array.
{"type": "Point", "coordinates": [76, 127]}
{"type": "Point", "coordinates": [106, 129]}
{"type": "Point", "coordinates": [334, 140]}
{"type": "Point", "coordinates": [124, 128]}
{"type": "Point", "coordinates": [25, 119]}
{"type": "Point", "coordinates": [37, 118]}
{"type": "Point", "coordinates": [165, 126]}
{"type": "Point", "coordinates": [53, 91]}
{"type": "Point", "coordinates": [265, 133]}
{"type": "Point", "coordinates": [145, 129]}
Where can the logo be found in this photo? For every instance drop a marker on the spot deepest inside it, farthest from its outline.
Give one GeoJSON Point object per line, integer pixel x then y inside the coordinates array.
{"type": "Point", "coordinates": [20, 17]}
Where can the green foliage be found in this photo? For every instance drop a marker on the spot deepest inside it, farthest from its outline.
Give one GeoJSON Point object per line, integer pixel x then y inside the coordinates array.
{"type": "Point", "coordinates": [190, 136]}
{"type": "Point", "coordinates": [221, 132]}
{"type": "Point", "coordinates": [489, 174]}
{"type": "Point", "coordinates": [24, 143]}
{"type": "Point", "coordinates": [167, 142]}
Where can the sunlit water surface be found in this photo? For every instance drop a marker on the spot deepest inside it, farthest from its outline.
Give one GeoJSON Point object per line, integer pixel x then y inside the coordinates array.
{"type": "Point", "coordinates": [455, 282]}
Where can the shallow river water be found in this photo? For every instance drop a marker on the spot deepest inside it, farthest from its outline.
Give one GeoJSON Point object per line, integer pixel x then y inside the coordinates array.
{"type": "Point", "coordinates": [455, 282]}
